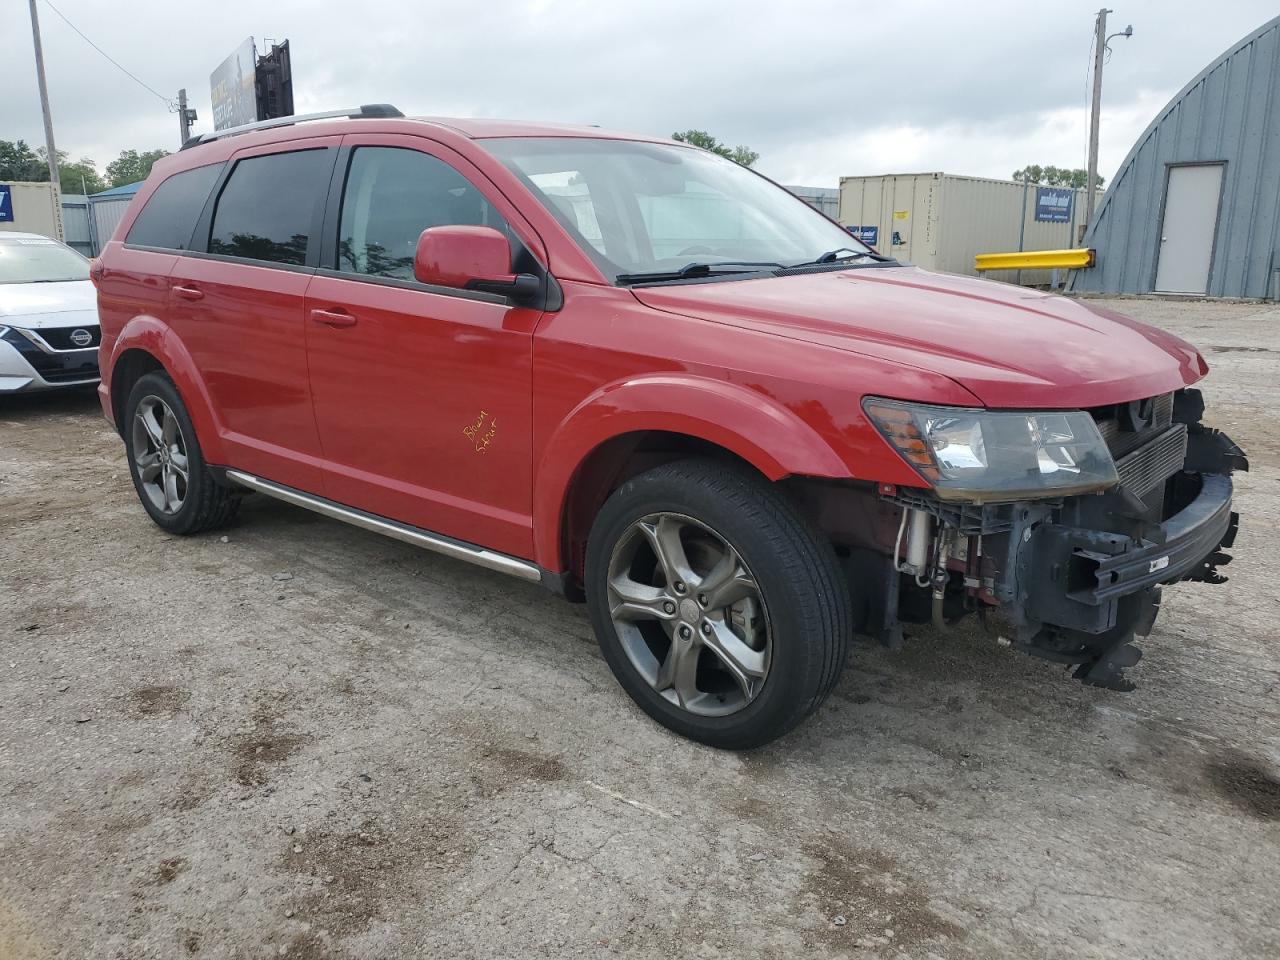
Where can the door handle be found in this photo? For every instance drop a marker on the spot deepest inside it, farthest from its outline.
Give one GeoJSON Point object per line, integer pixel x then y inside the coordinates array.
{"type": "Point", "coordinates": [333, 318]}
{"type": "Point", "coordinates": [188, 293]}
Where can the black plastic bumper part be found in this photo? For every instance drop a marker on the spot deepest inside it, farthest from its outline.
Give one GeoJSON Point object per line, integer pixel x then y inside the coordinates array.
{"type": "Point", "coordinates": [1078, 575]}
{"type": "Point", "coordinates": [1188, 538]}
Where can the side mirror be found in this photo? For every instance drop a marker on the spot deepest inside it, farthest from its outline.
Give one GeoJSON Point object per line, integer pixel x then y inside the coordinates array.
{"type": "Point", "coordinates": [470, 258]}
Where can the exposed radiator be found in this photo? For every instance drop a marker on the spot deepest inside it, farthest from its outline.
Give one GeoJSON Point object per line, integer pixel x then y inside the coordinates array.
{"type": "Point", "coordinates": [1156, 461]}
{"type": "Point", "coordinates": [1120, 442]}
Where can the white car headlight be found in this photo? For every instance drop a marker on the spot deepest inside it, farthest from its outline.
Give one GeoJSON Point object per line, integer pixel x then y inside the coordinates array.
{"type": "Point", "coordinates": [985, 456]}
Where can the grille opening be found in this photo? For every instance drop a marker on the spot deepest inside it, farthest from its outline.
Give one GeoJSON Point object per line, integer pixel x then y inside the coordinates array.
{"type": "Point", "coordinates": [60, 337]}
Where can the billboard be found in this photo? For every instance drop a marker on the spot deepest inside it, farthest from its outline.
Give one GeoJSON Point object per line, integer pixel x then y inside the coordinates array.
{"type": "Point", "coordinates": [232, 88]}
{"type": "Point", "coordinates": [275, 83]}
{"type": "Point", "coordinates": [1053, 204]}
{"type": "Point", "coordinates": [6, 203]}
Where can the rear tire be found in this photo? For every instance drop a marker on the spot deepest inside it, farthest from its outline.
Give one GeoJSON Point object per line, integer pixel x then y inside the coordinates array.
{"type": "Point", "coordinates": [721, 610]}
{"type": "Point", "coordinates": [172, 480]}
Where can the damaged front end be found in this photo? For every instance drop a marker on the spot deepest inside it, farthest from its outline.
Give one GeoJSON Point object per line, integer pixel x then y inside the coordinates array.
{"type": "Point", "coordinates": [1069, 577]}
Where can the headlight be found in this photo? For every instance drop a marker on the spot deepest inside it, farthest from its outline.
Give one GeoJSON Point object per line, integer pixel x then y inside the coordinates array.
{"type": "Point", "coordinates": [984, 456]}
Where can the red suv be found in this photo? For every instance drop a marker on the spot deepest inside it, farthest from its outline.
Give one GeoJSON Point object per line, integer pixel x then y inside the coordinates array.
{"type": "Point", "coordinates": [647, 377]}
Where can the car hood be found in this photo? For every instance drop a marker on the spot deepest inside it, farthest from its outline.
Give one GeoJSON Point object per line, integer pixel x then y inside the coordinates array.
{"type": "Point", "coordinates": [36, 305]}
{"type": "Point", "coordinates": [1009, 346]}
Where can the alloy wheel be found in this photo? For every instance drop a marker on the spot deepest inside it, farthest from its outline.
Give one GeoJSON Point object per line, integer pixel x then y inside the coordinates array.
{"type": "Point", "coordinates": [160, 455]}
{"type": "Point", "coordinates": [689, 614]}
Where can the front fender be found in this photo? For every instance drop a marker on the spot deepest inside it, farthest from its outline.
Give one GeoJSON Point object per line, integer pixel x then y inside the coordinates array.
{"type": "Point", "coordinates": [756, 428]}
{"type": "Point", "coordinates": [149, 334]}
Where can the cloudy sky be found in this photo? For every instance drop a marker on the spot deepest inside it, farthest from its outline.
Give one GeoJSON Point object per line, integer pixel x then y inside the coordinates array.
{"type": "Point", "coordinates": [820, 89]}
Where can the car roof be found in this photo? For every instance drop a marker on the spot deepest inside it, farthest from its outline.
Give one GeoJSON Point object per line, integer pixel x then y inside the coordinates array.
{"type": "Point", "coordinates": [16, 235]}
{"type": "Point", "coordinates": [480, 128]}
{"type": "Point", "coordinates": [220, 147]}
{"type": "Point", "coordinates": [468, 128]}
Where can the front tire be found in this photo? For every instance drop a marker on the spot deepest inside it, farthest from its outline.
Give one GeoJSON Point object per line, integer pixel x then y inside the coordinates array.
{"type": "Point", "coordinates": [718, 606]}
{"type": "Point", "coordinates": [175, 485]}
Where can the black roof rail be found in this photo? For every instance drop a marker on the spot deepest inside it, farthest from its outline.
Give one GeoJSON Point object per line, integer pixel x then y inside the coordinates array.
{"type": "Point", "coordinates": [366, 111]}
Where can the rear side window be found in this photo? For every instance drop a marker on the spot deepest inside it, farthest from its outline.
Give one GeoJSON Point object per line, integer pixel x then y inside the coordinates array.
{"type": "Point", "coordinates": [392, 195]}
{"type": "Point", "coordinates": [269, 206]}
{"type": "Point", "coordinates": [170, 215]}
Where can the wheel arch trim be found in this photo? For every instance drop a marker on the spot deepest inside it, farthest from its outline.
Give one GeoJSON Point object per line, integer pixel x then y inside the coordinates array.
{"type": "Point", "coordinates": [760, 431]}
{"type": "Point", "coordinates": [152, 336]}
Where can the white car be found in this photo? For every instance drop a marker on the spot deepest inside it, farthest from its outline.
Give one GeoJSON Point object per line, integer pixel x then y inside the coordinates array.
{"type": "Point", "coordinates": [49, 331]}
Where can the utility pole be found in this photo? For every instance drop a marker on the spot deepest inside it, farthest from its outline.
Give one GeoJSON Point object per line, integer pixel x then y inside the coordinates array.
{"type": "Point", "coordinates": [1099, 48]}
{"type": "Point", "coordinates": [1095, 115]}
{"type": "Point", "coordinates": [44, 98]}
{"type": "Point", "coordinates": [185, 117]}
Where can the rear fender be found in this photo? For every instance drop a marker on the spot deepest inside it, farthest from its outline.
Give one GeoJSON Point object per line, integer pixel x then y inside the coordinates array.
{"type": "Point", "coordinates": [158, 339]}
{"type": "Point", "coordinates": [757, 429]}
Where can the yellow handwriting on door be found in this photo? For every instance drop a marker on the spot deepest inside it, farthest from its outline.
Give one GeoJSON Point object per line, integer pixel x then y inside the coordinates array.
{"type": "Point", "coordinates": [481, 431]}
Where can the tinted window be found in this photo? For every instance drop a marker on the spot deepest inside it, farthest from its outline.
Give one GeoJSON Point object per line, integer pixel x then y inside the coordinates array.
{"type": "Point", "coordinates": [170, 215]}
{"type": "Point", "coordinates": [391, 196]}
{"type": "Point", "coordinates": [267, 208]}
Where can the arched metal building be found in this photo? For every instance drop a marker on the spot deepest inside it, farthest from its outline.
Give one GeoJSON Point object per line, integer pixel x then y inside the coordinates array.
{"type": "Point", "coordinates": [1195, 207]}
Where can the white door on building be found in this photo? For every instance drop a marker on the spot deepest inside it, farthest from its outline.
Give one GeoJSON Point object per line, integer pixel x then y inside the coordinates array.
{"type": "Point", "coordinates": [1189, 224]}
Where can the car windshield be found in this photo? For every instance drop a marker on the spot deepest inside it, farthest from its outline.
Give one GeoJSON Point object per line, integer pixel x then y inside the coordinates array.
{"type": "Point", "coordinates": [639, 209]}
{"type": "Point", "coordinates": [39, 260]}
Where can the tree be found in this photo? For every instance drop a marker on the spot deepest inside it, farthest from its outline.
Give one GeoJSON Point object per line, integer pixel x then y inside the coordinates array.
{"type": "Point", "coordinates": [132, 166]}
{"type": "Point", "coordinates": [79, 177]}
{"type": "Point", "coordinates": [700, 138]}
{"type": "Point", "coordinates": [1055, 176]}
{"type": "Point", "coordinates": [19, 162]}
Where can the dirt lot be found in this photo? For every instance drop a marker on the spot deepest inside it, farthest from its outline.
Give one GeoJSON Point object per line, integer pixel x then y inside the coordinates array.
{"type": "Point", "coordinates": [303, 739]}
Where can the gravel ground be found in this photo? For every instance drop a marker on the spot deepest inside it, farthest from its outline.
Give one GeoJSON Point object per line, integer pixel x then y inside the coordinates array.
{"type": "Point", "coordinates": [301, 739]}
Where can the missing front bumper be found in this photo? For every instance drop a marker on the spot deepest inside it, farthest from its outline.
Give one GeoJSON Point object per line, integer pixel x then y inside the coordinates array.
{"type": "Point", "coordinates": [1070, 579]}
{"type": "Point", "coordinates": [1076, 577]}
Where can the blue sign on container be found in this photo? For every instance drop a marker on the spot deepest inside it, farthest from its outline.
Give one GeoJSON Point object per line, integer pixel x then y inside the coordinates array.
{"type": "Point", "coordinates": [1053, 204]}
{"type": "Point", "coordinates": [868, 235]}
{"type": "Point", "coordinates": [6, 203]}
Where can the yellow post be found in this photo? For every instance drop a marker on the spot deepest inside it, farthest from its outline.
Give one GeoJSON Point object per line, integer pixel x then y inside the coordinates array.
{"type": "Point", "coordinates": [1036, 260]}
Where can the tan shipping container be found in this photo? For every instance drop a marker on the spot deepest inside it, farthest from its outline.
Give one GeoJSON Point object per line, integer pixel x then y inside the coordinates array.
{"type": "Point", "coordinates": [37, 208]}
{"type": "Point", "coordinates": [940, 221]}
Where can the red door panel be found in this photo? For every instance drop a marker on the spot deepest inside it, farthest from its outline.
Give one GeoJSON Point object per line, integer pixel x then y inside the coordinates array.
{"type": "Point", "coordinates": [424, 407]}
{"type": "Point", "coordinates": [243, 325]}
{"type": "Point", "coordinates": [423, 397]}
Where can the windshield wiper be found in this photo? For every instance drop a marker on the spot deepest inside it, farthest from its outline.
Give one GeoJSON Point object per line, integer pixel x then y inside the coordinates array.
{"type": "Point", "coordinates": [692, 271]}
{"type": "Point", "coordinates": [834, 256]}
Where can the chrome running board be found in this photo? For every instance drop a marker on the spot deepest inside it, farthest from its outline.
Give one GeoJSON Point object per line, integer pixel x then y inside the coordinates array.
{"type": "Point", "coordinates": [458, 549]}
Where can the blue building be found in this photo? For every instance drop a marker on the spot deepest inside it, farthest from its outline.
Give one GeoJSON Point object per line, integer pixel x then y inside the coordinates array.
{"type": "Point", "coordinates": [106, 210]}
{"type": "Point", "coordinates": [1195, 207]}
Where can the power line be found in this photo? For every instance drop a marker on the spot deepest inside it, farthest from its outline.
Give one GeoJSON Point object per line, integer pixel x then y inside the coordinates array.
{"type": "Point", "coordinates": [168, 102]}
